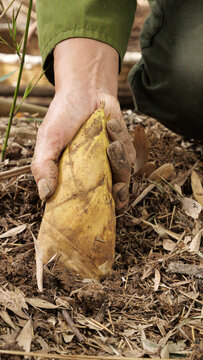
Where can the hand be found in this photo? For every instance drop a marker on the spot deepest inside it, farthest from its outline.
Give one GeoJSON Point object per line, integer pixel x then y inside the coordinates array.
{"type": "Point", "coordinates": [86, 74]}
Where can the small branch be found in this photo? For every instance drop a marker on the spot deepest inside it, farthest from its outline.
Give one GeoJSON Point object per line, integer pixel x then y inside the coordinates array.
{"type": "Point", "coordinates": [70, 322]}
{"type": "Point", "coordinates": [18, 82]}
{"type": "Point", "coordinates": [181, 268]}
{"type": "Point", "coordinates": [15, 172]}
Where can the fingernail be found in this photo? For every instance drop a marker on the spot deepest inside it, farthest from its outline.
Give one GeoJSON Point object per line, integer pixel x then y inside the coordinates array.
{"type": "Point", "coordinates": [123, 193]}
{"type": "Point", "coordinates": [114, 125]}
{"type": "Point", "coordinates": [43, 189]}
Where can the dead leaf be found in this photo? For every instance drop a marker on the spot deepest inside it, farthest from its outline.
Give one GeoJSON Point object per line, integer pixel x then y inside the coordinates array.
{"type": "Point", "coordinates": [39, 264]}
{"type": "Point", "coordinates": [169, 245]}
{"type": "Point", "coordinates": [195, 243]}
{"type": "Point", "coordinates": [150, 346]}
{"type": "Point", "coordinates": [197, 188]}
{"type": "Point", "coordinates": [12, 232]}
{"type": "Point", "coordinates": [165, 171]}
{"type": "Point", "coordinates": [14, 301]}
{"type": "Point", "coordinates": [157, 279]}
{"type": "Point", "coordinates": [43, 304]}
{"type": "Point", "coordinates": [6, 318]}
{"type": "Point", "coordinates": [162, 231]}
{"type": "Point", "coordinates": [67, 338]}
{"type": "Point", "coordinates": [191, 207]}
{"type": "Point", "coordinates": [24, 339]}
{"type": "Point", "coordinates": [141, 145]}
{"type": "Point", "coordinates": [133, 353]}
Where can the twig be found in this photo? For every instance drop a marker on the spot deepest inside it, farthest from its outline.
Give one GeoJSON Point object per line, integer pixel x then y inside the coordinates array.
{"type": "Point", "coordinates": [70, 322]}
{"type": "Point", "coordinates": [181, 268]}
{"type": "Point", "coordinates": [142, 195]}
{"type": "Point", "coordinates": [68, 357]}
{"type": "Point", "coordinates": [18, 82]}
{"type": "Point", "coordinates": [15, 172]}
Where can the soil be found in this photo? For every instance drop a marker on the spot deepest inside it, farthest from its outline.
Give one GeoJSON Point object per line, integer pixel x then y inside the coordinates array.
{"type": "Point", "coordinates": [141, 308]}
{"type": "Point", "coordinates": [151, 303]}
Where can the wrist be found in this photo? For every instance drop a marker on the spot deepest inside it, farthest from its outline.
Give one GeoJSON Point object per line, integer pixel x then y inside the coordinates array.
{"type": "Point", "coordinates": [86, 65]}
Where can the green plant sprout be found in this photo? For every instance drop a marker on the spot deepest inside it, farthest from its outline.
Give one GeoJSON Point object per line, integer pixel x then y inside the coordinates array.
{"type": "Point", "coordinates": [22, 59]}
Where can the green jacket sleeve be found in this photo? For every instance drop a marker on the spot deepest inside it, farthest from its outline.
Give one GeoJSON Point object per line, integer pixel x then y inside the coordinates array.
{"type": "Point", "coordinates": [109, 21]}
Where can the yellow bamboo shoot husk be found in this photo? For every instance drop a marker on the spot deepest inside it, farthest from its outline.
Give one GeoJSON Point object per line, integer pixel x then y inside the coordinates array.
{"type": "Point", "coordinates": [79, 220]}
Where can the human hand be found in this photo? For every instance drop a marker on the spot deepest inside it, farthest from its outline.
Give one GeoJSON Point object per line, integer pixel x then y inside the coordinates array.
{"type": "Point", "coordinates": [86, 74]}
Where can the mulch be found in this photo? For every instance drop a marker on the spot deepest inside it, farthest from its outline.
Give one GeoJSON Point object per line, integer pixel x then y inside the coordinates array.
{"type": "Point", "coordinates": [151, 304]}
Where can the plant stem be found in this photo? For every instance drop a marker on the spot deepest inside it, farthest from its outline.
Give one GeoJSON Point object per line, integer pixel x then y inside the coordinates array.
{"type": "Point", "coordinates": [18, 83]}
{"type": "Point", "coordinates": [5, 10]}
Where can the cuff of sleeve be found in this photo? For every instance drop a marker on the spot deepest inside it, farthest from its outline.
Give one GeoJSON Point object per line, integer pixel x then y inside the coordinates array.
{"type": "Point", "coordinates": [108, 21]}
{"type": "Point", "coordinates": [47, 51]}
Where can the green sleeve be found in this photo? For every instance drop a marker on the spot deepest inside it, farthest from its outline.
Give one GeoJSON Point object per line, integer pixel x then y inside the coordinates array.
{"type": "Point", "coordinates": [109, 21]}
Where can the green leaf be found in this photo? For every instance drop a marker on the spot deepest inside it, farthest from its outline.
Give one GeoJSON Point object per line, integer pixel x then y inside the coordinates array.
{"type": "Point", "coordinates": [5, 42]}
{"type": "Point", "coordinates": [4, 77]}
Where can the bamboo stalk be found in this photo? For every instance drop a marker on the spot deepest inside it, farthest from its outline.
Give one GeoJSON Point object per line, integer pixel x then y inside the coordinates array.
{"type": "Point", "coordinates": [71, 357]}
{"type": "Point", "coordinates": [18, 82]}
{"type": "Point", "coordinates": [5, 105]}
{"type": "Point", "coordinates": [15, 172]}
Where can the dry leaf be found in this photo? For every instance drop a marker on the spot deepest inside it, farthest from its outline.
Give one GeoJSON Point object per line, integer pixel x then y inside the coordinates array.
{"type": "Point", "coordinates": [162, 231]}
{"type": "Point", "coordinates": [6, 318]}
{"type": "Point", "coordinates": [13, 301]}
{"type": "Point", "coordinates": [165, 171]}
{"type": "Point", "coordinates": [191, 207]}
{"type": "Point", "coordinates": [157, 279]}
{"type": "Point", "coordinates": [197, 188]}
{"type": "Point", "coordinates": [165, 352]}
{"type": "Point", "coordinates": [150, 346]}
{"type": "Point", "coordinates": [141, 145]}
{"type": "Point", "coordinates": [39, 264]}
{"type": "Point", "coordinates": [195, 243]}
{"type": "Point", "coordinates": [147, 169]}
{"type": "Point", "coordinates": [133, 353]}
{"type": "Point", "coordinates": [169, 245]}
{"type": "Point", "coordinates": [24, 339]}
{"type": "Point", "coordinates": [12, 232]}
{"type": "Point", "coordinates": [67, 338]}
{"type": "Point", "coordinates": [43, 304]}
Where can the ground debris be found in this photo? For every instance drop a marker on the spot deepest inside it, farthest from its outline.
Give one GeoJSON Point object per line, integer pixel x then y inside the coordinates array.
{"type": "Point", "coordinates": [151, 303]}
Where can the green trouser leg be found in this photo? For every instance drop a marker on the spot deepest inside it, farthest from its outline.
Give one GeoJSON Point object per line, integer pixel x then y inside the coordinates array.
{"type": "Point", "coordinates": [167, 83]}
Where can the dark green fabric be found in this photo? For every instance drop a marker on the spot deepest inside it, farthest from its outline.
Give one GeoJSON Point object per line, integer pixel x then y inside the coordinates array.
{"type": "Point", "coordinates": [168, 81]}
{"type": "Point", "coordinates": [109, 21]}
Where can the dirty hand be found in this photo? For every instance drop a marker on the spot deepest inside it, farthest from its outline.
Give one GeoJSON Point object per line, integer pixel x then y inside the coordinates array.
{"type": "Point", "coordinates": [86, 74]}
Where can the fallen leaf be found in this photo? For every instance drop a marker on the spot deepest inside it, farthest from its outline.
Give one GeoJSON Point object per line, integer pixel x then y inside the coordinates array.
{"type": "Point", "coordinates": [39, 264]}
{"type": "Point", "coordinates": [43, 304]}
{"type": "Point", "coordinates": [14, 301]}
{"type": "Point", "coordinates": [169, 245]}
{"type": "Point", "coordinates": [165, 352]}
{"type": "Point", "coordinates": [67, 338]}
{"type": "Point", "coordinates": [175, 348]}
{"type": "Point", "coordinates": [157, 279]}
{"type": "Point", "coordinates": [150, 346]}
{"type": "Point", "coordinates": [24, 339]}
{"type": "Point", "coordinates": [162, 231]}
{"type": "Point", "coordinates": [165, 171]}
{"type": "Point", "coordinates": [6, 318]}
{"type": "Point", "coordinates": [12, 232]}
{"type": "Point", "coordinates": [197, 188]}
{"type": "Point", "coordinates": [141, 145]}
{"type": "Point", "coordinates": [191, 207]}
{"type": "Point", "coordinates": [195, 243]}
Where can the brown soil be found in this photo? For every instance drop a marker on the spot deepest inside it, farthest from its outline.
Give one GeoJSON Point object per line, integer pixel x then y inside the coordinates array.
{"type": "Point", "coordinates": [141, 308]}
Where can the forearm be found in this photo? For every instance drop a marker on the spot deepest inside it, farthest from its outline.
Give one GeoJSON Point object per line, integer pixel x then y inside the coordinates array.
{"type": "Point", "coordinates": [90, 64]}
